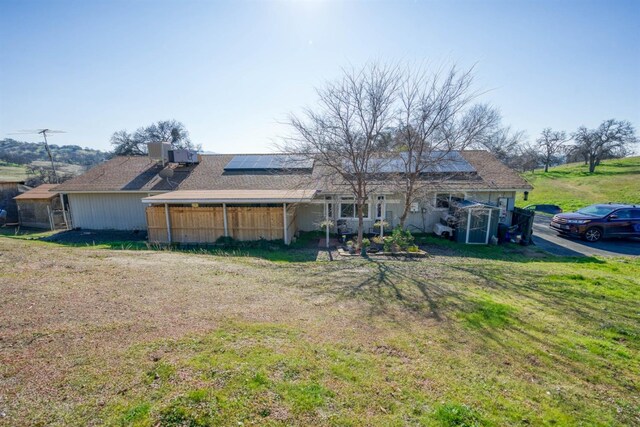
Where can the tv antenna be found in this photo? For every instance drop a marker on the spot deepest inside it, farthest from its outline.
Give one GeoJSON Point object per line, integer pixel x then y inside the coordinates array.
{"type": "Point", "coordinates": [44, 133]}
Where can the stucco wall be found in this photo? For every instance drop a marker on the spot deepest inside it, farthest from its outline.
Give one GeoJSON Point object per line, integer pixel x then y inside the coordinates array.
{"type": "Point", "coordinates": [108, 211]}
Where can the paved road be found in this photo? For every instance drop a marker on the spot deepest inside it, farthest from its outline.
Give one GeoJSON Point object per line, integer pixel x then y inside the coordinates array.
{"type": "Point", "coordinates": [547, 239]}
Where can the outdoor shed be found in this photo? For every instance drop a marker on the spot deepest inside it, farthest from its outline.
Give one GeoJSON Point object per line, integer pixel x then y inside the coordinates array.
{"type": "Point", "coordinates": [40, 208]}
{"type": "Point", "coordinates": [189, 216]}
{"type": "Point", "coordinates": [477, 222]}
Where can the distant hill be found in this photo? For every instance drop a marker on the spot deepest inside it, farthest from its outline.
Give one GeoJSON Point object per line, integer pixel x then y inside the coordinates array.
{"type": "Point", "coordinates": [571, 186]}
{"type": "Point", "coordinates": [24, 153]}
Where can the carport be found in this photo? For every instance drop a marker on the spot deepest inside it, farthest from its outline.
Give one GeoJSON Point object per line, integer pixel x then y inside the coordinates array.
{"type": "Point", "coordinates": [193, 216]}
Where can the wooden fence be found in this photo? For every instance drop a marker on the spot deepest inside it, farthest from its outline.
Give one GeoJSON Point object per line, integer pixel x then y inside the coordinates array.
{"type": "Point", "coordinates": [206, 224]}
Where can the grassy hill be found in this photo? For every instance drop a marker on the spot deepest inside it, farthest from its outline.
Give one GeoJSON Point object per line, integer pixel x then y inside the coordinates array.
{"type": "Point", "coordinates": [571, 186]}
{"type": "Point", "coordinates": [12, 172]}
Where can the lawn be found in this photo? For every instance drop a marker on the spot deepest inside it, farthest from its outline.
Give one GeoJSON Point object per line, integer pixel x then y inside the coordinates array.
{"type": "Point", "coordinates": [572, 186]}
{"type": "Point", "coordinates": [470, 336]}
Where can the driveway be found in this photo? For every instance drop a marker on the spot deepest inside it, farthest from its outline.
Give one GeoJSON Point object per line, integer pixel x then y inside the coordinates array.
{"type": "Point", "coordinates": [547, 239]}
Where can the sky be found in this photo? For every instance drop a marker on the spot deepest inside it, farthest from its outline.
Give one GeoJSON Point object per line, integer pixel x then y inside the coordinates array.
{"type": "Point", "coordinates": [233, 71]}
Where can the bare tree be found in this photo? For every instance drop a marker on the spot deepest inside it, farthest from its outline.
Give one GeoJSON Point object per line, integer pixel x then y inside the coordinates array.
{"type": "Point", "coordinates": [551, 143]}
{"type": "Point", "coordinates": [436, 116]}
{"type": "Point", "coordinates": [171, 131]}
{"type": "Point", "coordinates": [504, 143]}
{"type": "Point", "coordinates": [611, 139]}
{"type": "Point", "coordinates": [526, 157]}
{"type": "Point", "coordinates": [349, 128]}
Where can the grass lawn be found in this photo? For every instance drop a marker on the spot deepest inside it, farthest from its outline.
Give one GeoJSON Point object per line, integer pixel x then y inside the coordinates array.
{"type": "Point", "coordinates": [12, 172]}
{"type": "Point", "coordinates": [572, 186]}
{"type": "Point", "coordinates": [470, 336]}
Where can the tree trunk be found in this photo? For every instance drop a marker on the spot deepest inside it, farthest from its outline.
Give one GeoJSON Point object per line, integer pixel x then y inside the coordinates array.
{"type": "Point", "coordinates": [592, 164]}
{"type": "Point", "coordinates": [360, 224]}
{"type": "Point", "coordinates": [546, 167]}
{"type": "Point", "coordinates": [405, 212]}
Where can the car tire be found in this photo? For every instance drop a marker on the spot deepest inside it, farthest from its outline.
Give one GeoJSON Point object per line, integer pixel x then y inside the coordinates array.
{"type": "Point", "coordinates": [592, 234]}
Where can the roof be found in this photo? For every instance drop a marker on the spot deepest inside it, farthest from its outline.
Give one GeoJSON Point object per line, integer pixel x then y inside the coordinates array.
{"type": "Point", "coordinates": [140, 174]}
{"type": "Point", "coordinates": [232, 196]}
{"type": "Point", "coordinates": [41, 192]}
{"type": "Point", "coordinates": [134, 173]}
{"type": "Point", "coordinates": [493, 172]}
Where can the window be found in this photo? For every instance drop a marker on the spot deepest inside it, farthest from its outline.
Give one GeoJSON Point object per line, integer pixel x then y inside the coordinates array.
{"type": "Point", "coordinates": [329, 209]}
{"type": "Point", "coordinates": [349, 209]}
{"type": "Point", "coordinates": [380, 208]}
{"type": "Point", "coordinates": [443, 200]}
{"type": "Point", "coordinates": [624, 214]}
{"type": "Point", "coordinates": [596, 210]}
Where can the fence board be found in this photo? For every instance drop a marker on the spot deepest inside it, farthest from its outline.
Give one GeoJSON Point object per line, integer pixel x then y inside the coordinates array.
{"type": "Point", "coordinates": [206, 224]}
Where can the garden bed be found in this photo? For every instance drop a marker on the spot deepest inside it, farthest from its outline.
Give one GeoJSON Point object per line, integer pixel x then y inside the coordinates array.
{"type": "Point", "coordinates": [406, 254]}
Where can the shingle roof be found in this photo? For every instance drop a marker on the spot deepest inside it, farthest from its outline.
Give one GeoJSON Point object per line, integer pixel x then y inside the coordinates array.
{"type": "Point", "coordinates": [136, 173]}
{"type": "Point", "coordinates": [493, 172]}
{"type": "Point", "coordinates": [41, 192]}
{"type": "Point", "coordinates": [141, 174]}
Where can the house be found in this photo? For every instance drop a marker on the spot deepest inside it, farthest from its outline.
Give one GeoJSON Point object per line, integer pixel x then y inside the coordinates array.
{"type": "Point", "coordinates": [268, 196]}
{"type": "Point", "coordinates": [40, 208]}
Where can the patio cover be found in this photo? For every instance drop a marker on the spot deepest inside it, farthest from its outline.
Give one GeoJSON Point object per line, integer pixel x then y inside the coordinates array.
{"type": "Point", "coordinates": [232, 196]}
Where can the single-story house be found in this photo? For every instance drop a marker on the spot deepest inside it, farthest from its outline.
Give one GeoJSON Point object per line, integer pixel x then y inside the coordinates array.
{"type": "Point", "coordinates": [248, 197]}
{"type": "Point", "coordinates": [40, 208]}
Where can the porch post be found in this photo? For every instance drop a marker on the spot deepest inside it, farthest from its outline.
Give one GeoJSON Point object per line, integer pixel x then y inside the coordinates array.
{"type": "Point", "coordinates": [224, 218]}
{"type": "Point", "coordinates": [326, 217]}
{"type": "Point", "coordinates": [468, 224]}
{"type": "Point", "coordinates": [166, 216]}
{"type": "Point", "coordinates": [383, 210]}
{"type": "Point", "coordinates": [284, 210]}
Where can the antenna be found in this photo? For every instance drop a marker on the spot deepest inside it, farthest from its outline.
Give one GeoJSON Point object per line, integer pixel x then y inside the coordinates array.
{"type": "Point", "coordinates": [44, 133]}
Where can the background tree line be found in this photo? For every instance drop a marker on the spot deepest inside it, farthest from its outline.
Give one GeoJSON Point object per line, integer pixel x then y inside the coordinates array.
{"type": "Point", "coordinates": [24, 153]}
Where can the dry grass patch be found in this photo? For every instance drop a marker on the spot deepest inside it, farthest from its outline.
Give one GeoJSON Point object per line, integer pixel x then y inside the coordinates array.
{"type": "Point", "coordinates": [95, 337]}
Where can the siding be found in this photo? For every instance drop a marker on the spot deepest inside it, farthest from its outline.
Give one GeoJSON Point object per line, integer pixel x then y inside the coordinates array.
{"type": "Point", "coordinates": [108, 211]}
{"type": "Point", "coordinates": [309, 216]}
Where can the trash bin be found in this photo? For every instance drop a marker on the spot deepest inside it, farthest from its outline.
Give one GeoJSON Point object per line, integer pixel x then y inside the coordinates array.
{"type": "Point", "coordinates": [503, 233]}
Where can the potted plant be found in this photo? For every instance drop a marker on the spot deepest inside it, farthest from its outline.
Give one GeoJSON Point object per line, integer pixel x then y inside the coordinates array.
{"type": "Point", "coordinates": [327, 223]}
{"type": "Point", "coordinates": [381, 223]}
{"type": "Point", "coordinates": [377, 243]}
{"type": "Point", "coordinates": [351, 246]}
{"type": "Point", "coordinates": [365, 245]}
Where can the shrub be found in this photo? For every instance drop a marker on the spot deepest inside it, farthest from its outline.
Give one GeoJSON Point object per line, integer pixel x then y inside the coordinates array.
{"type": "Point", "coordinates": [413, 249]}
{"type": "Point", "coordinates": [366, 243]}
{"type": "Point", "coordinates": [378, 240]}
{"type": "Point", "coordinates": [402, 238]}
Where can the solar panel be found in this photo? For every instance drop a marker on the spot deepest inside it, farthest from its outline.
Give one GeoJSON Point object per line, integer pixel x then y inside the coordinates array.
{"type": "Point", "coordinates": [269, 162]}
{"type": "Point", "coordinates": [436, 162]}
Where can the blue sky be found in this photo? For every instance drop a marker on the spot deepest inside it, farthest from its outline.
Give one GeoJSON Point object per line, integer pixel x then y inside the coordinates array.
{"type": "Point", "coordinates": [232, 71]}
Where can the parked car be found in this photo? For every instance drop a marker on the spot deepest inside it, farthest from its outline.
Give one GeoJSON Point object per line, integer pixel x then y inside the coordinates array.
{"type": "Point", "coordinates": [550, 209]}
{"type": "Point", "coordinates": [598, 221]}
